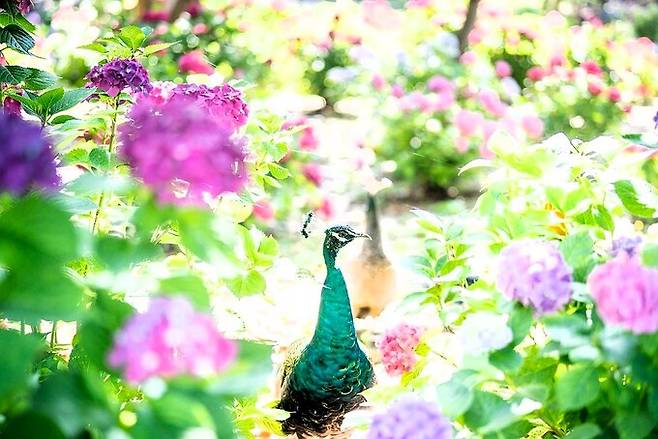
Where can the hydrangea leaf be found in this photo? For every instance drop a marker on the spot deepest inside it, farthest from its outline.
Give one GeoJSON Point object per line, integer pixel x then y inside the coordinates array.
{"type": "Point", "coordinates": [584, 431]}
{"type": "Point", "coordinates": [632, 200]}
{"type": "Point", "coordinates": [577, 388]}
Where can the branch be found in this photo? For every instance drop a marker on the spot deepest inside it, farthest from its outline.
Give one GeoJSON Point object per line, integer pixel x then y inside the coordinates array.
{"type": "Point", "coordinates": [471, 13]}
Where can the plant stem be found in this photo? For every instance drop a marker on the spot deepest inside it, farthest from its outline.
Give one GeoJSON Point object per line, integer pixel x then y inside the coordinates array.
{"type": "Point", "coordinates": [110, 149]}
{"type": "Point", "coordinates": [469, 23]}
{"type": "Point", "coordinates": [53, 335]}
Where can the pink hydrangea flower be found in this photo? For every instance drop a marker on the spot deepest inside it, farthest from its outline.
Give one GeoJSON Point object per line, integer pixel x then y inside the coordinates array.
{"type": "Point", "coordinates": [533, 126]}
{"type": "Point", "coordinates": [591, 67]}
{"type": "Point", "coordinates": [536, 73]}
{"type": "Point", "coordinates": [224, 102]}
{"type": "Point", "coordinates": [462, 144]}
{"type": "Point", "coordinates": [313, 173]}
{"type": "Point", "coordinates": [263, 210]}
{"type": "Point", "coordinates": [307, 140]}
{"type": "Point", "coordinates": [182, 152]}
{"type": "Point", "coordinates": [327, 209]}
{"type": "Point", "coordinates": [468, 122]}
{"type": "Point", "coordinates": [168, 340]}
{"type": "Point", "coordinates": [439, 84]}
{"type": "Point", "coordinates": [443, 100]}
{"type": "Point", "coordinates": [503, 69]}
{"type": "Point", "coordinates": [595, 88]}
{"type": "Point", "coordinates": [378, 82]}
{"type": "Point", "coordinates": [12, 107]}
{"type": "Point", "coordinates": [614, 94]}
{"type": "Point", "coordinates": [626, 293]}
{"type": "Point", "coordinates": [534, 273]}
{"type": "Point", "coordinates": [492, 103]}
{"type": "Point", "coordinates": [194, 62]}
{"type": "Point", "coordinates": [397, 348]}
{"type": "Point", "coordinates": [397, 91]}
{"type": "Point", "coordinates": [467, 58]}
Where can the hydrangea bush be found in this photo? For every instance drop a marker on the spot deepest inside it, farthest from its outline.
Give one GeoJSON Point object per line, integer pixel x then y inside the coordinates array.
{"type": "Point", "coordinates": [111, 194]}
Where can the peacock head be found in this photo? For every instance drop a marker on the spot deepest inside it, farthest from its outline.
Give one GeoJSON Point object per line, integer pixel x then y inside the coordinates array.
{"type": "Point", "coordinates": [337, 237]}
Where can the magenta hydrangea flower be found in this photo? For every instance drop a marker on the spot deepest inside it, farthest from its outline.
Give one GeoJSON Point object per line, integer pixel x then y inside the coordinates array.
{"type": "Point", "coordinates": [182, 152]}
{"type": "Point", "coordinates": [119, 74]}
{"type": "Point", "coordinates": [27, 159]}
{"type": "Point", "coordinates": [398, 348]}
{"type": "Point", "coordinates": [170, 339]}
{"type": "Point", "coordinates": [410, 418]}
{"type": "Point", "coordinates": [534, 273]}
{"type": "Point", "coordinates": [225, 103]}
{"type": "Point", "coordinates": [626, 293]}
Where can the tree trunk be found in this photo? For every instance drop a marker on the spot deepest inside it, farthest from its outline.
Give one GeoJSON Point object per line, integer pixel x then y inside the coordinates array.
{"type": "Point", "coordinates": [469, 22]}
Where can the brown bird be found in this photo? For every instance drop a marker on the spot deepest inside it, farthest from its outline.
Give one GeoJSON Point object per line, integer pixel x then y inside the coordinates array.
{"type": "Point", "coordinates": [371, 277]}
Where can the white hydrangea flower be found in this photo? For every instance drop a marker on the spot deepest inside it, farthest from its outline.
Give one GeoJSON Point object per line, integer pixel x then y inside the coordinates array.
{"type": "Point", "coordinates": [483, 332]}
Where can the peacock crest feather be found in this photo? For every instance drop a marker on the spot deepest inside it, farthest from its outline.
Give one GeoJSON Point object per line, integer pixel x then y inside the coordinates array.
{"type": "Point", "coordinates": [323, 380]}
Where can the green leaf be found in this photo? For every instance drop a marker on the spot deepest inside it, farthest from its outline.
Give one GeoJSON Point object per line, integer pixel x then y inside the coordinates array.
{"type": "Point", "coordinates": [520, 322]}
{"type": "Point", "coordinates": [652, 402]}
{"type": "Point", "coordinates": [30, 425]}
{"type": "Point", "coordinates": [50, 98]}
{"type": "Point", "coordinates": [488, 413]}
{"type": "Point", "coordinates": [39, 80]}
{"type": "Point", "coordinates": [96, 47]}
{"type": "Point", "coordinates": [584, 431]}
{"type": "Point", "coordinates": [603, 218]}
{"type": "Point", "coordinates": [454, 398]}
{"type": "Point", "coordinates": [650, 254]}
{"type": "Point", "coordinates": [634, 425]}
{"type": "Point", "coordinates": [155, 48]}
{"type": "Point", "coordinates": [16, 365]}
{"type": "Point", "coordinates": [251, 283]}
{"type": "Point", "coordinates": [189, 286]}
{"type": "Point", "coordinates": [99, 158]}
{"type": "Point", "coordinates": [71, 99]}
{"type": "Point", "coordinates": [628, 194]}
{"type": "Point", "coordinates": [278, 171]}
{"type": "Point", "coordinates": [507, 360]}
{"type": "Point", "coordinates": [63, 119]}
{"type": "Point", "coordinates": [13, 75]}
{"type": "Point", "coordinates": [577, 249]}
{"type": "Point", "coordinates": [119, 254]}
{"type": "Point", "coordinates": [16, 38]}
{"type": "Point", "coordinates": [248, 373]}
{"type": "Point", "coordinates": [132, 36]}
{"type": "Point", "coordinates": [569, 330]}
{"type": "Point", "coordinates": [577, 387]}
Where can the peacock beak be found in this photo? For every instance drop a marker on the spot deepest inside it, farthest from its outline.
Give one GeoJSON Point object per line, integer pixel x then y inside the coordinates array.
{"type": "Point", "coordinates": [363, 235]}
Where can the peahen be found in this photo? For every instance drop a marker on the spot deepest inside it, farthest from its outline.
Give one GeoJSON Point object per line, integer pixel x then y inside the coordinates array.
{"type": "Point", "coordinates": [372, 278]}
{"type": "Point", "coordinates": [322, 381]}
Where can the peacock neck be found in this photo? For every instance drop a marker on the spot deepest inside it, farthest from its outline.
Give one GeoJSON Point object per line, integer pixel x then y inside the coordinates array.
{"type": "Point", "coordinates": [335, 322]}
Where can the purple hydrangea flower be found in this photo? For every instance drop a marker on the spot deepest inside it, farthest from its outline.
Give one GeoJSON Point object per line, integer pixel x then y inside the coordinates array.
{"type": "Point", "coordinates": [181, 151]}
{"type": "Point", "coordinates": [629, 245]}
{"type": "Point", "coordinates": [626, 293]}
{"type": "Point", "coordinates": [410, 418]}
{"type": "Point", "coordinates": [27, 159]}
{"type": "Point", "coordinates": [119, 74]}
{"type": "Point", "coordinates": [655, 120]}
{"type": "Point", "coordinates": [534, 273]}
{"type": "Point", "coordinates": [170, 339]}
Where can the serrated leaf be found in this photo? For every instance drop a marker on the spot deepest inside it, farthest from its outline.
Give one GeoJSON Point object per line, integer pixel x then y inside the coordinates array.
{"type": "Point", "coordinates": [99, 158]}
{"type": "Point", "coordinates": [50, 98]}
{"type": "Point", "coordinates": [39, 80]}
{"type": "Point", "coordinates": [577, 388]}
{"type": "Point", "coordinates": [155, 48]}
{"type": "Point", "coordinates": [251, 283]}
{"type": "Point", "coordinates": [16, 38]}
{"type": "Point", "coordinates": [96, 47]}
{"type": "Point", "coordinates": [278, 171]}
{"type": "Point", "coordinates": [630, 198]}
{"type": "Point", "coordinates": [13, 75]}
{"type": "Point", "coordinates": [70, 99]}
{"type": "Point", "coordinates": [132, 36]}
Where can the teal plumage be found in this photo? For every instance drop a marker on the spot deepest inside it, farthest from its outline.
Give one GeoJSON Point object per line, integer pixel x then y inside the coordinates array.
{"type": "Point", "coordinates": [324, 380]}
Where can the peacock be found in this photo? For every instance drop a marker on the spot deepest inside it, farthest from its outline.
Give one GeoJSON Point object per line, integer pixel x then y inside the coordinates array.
{"type": "Point", "coordinates": [372, 278]}
{"type": "Point", "coordinates": [323, 380]}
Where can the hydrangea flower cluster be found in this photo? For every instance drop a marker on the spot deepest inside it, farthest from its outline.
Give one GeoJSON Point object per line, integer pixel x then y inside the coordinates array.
{"type": "Point", "coordinates": [182, 152]}
{"type": "Point", "coordinates": [194, 62]}
{"type": "Point", "coordinates": [410, 418]}
{"type": "Point", "coordinates": [224, 102]}
{"type": "Point", "coordinates": [629, 245]}
{"type": "Point", "coordinates": [397, 348]}
{"type": "Point", "coordinates": [534, 273]}
{"type": "Point", "coordinates": [27, 158]}
{"type": "Point", "coordinates": [484, 332]}
{"type": "Point", "coordinates": [626, 293]}
{"type": "Point", "coordinates": [119, 74]}
{"type": "Point", "coordinates": [170, 339]}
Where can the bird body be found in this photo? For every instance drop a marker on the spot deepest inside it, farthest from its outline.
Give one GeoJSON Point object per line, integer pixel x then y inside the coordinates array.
{"type": "Point", "coordinates": [372, 278]}
{"type": "Point", "coordinates": [323, 381]}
